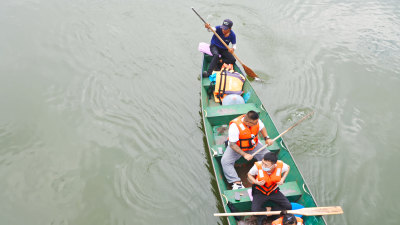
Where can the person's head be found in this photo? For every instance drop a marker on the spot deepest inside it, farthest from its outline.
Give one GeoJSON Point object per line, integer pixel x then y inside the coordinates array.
{"type": "Point", "coordinates": [268, 162]}
{"type": "Point", "coordinates": [251, 118]}
{"type": "Point", "coordinates": [289, 219]}
{"type": "Point", "coordinates": [226, 26]}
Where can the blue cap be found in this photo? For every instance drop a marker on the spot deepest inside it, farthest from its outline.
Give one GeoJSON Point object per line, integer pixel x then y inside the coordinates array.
{"type": "Point", "coordinates": [227, 24]}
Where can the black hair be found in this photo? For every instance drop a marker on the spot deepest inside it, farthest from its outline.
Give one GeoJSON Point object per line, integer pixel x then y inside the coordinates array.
{"type": "Point", "coordinates": [252, 115]}
{"type": "Point", "coordinates": [270, 156]}
{"type": "Point", "coordinates": [288, 218]}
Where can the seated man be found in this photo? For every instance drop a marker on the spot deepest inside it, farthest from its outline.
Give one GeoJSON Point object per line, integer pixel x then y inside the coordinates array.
{"type": "Point", "coordinates": [265, 176]}
{"type": "Point", "coordinates": [243, 141]}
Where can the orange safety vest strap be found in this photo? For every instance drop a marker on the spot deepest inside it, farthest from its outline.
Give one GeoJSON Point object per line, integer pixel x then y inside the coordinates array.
{"type": "Point", "coordinates": [246, 143]}
{"type": "Point", "coordinates": [267, 192]}
{"type": "Point", "coordinates": [227, 66]}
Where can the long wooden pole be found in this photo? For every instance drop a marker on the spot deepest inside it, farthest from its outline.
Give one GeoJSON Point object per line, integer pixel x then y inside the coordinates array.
{"type": "Point", "coordinates": [248, 71]}
{"type": "Point", "coordinates": [284, 132]}
{"type": "Point", "coordinates": [312, 211]}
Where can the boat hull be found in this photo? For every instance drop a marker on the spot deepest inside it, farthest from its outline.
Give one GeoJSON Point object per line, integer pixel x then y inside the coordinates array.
{"type": "Point", "coordinates": [216, 119]}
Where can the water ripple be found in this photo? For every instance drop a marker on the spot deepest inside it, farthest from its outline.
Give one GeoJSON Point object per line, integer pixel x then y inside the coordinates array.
{"type": "Point", "coordinates": [309, 138]}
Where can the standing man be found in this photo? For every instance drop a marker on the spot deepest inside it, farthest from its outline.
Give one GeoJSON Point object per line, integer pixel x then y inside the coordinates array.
{"type": "Point", "coordinates": [218, 48]}
{"type": "Point", "coordinates": [265, 176]}
{"type": "Point", "coordinates": [243, 141]}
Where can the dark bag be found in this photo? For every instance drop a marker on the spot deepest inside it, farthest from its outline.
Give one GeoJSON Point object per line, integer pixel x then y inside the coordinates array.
{"type": "Point", "coordinates": [233, 209]}
{"type": "Point", "coordinates": [210, 89]}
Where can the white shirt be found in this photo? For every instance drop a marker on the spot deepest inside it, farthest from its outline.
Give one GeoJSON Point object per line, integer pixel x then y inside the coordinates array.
{"type": "Point", "coordinates": [234, 131]}
{"type": "Point", "coordinates": [254, 171]}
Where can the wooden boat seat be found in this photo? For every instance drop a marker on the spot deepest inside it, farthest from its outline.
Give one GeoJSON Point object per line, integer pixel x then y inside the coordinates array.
{"type": "Point", "coordinates": [205, 82]}
{"type": "Point", "coordinates": [290, 189]}
{"type": "Point", "coordinates": [223, 114]}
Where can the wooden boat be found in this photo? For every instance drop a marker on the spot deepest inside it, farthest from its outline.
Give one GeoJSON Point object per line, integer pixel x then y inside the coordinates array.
{"type": "Point", "coordinates": [216, 118]}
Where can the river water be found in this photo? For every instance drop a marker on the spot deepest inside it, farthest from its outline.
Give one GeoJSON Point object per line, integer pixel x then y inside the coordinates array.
{"type": "Point", "coordinates": [100, 106]}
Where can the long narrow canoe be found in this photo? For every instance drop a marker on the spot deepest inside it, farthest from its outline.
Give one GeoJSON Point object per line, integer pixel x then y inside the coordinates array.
{"type": "Point", "coordinates": [216, 119]}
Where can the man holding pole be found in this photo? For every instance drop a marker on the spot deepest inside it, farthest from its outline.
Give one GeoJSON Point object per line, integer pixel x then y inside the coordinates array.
{"type": "Point", "coordinates": [218, 48]}
{"type": "Point", "coordinates": [243, 141]}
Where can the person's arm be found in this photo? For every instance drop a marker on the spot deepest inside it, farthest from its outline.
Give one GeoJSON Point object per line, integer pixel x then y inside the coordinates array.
{"type": "Point", "coordinates": [252, 179]}
{"type": "Point", "coordinates": [284, 175]}
{"type": "Point", "coordinates": [237, 149]}
{"type": "Point", "coordinates": [233, 138]}
{"type": "Point", "coordinates": [209, 27]}
{"type": "Point", "coordinates": [268, 141]}
{"type": "Point", "coordinates": [231, 50]}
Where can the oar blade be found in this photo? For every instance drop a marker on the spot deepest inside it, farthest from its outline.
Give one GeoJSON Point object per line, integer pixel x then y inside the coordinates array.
{"type": "Point", "coordinates": [319, 211]}
{"type": "Point", "coordinates": [249, 71]}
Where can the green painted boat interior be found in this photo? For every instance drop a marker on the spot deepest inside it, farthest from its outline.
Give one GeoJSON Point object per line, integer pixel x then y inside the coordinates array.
{"type": "Point", "coordinates": [216, 119]}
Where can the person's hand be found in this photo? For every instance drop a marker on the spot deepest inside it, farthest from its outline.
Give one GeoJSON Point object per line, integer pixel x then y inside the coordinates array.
{"type": "Point", "coordinates": [280, 182]}
{"type": "Point", "coordinates": [207, 25]}
{"type": "Point", "coordinates": [260, 183]}
{"type": "Point", "coordinates": [269, 142]}
{"type": "Point", "coordinates": [231, 50]}
{"type": "Point", "coordinates": [248, 157]}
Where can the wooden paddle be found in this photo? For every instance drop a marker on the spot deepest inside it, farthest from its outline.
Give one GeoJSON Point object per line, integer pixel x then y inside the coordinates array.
{"type": "Point", "coordinates": [284, 132]}
{"type": "Point", "coordinates": [248, 71]}
{"type": "Point", "coordinates": [312, 211]}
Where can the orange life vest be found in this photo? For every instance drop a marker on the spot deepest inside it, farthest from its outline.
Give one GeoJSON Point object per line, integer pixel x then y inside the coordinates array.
{"type": "Point", "coordinates": [270, 179]}
{"type": "Point", "coordinates": [279, 221]}
{"type": "Point", "coordinates": [227, 66]}
{"type": "Point", "coordinates": [248, 137]}
{"type": "Point", "coordinates": [228, 82]}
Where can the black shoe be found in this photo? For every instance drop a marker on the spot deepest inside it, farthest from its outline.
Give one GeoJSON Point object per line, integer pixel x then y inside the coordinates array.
{"type": "Point", "coordinates": [205, 74]}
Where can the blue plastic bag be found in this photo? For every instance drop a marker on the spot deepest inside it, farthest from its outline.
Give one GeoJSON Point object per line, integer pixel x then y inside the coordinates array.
{"type": "Point", "coordinates": [246, 96]}
{"type": "Point", "coordinates": [213, 77]}
{"type": "Point", "coordinates": [297, 206]}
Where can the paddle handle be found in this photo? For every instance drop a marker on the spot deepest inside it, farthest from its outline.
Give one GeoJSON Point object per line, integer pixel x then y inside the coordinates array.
{"type": "Point", "coordinates": [284, 132]}
{"type": "Point", "coordinates": [259, 150]}
{"type": "Point", "coordinates": [198, 15]}
{"type": "Point", "coordinates": [311, 211]}
{"type": "Point", "coordinates": [217, 35]}
{"type": "Point", "coordinates": [267, 213]}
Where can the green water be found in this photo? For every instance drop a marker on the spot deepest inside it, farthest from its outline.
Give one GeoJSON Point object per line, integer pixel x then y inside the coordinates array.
{"type": "Point", "coordinates": [100, 106]}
